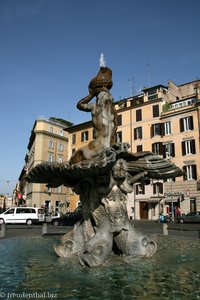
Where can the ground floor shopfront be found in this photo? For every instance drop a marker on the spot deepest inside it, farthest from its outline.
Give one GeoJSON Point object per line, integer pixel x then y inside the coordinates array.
{"type": "Point", "coordinates": [176, 199]}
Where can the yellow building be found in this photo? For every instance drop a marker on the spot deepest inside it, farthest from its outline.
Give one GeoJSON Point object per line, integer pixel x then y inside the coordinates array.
{"type": "Point", "coordinates": [48, 142]}
{"type": "Point", "coordinates": [79, 136]}
{"type": "Point", "coordinates": [164, 120]}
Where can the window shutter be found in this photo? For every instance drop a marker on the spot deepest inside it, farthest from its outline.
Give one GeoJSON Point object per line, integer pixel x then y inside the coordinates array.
{"type": "Point", "coordinates": [138, 115]}
{"type": "Point", "coordinates": [160, 148]}
{"type": "Point", "coordinates": [159, 129]}
{"type": "Point", "coordinates": [119, 120]}
{"type": "Point", "coordinates": [181, 125]}
{"type": "Point", "coordinates": [185, 173]}
{"type": "Point", "coordinates": [152, 130]}
{"type": "Point", "coordinates": [183, 148]}
{"type": "Point", "coordinates": [193, 148]}
{"type": "Point", "coordinates": [162, 129]}
{"type": "Point", "coordinates": [143, 189]}
{"type": "Point", "coordinates": [161, 188]}
{"type": "Point", "coordinates": [154, 188]}
{"type": "Point", "coordinates": [135, 137]}
{"type": "Point", "coordinates": [164, 151]}
{"type": "Point", "coordinates": [155, 111]}
{"type": "Point", "coordinates": [140, 132]}
{"type": "Point", "coordinates": [194, 172]}
{"type": "Point", "coordinates": [172, 150]}
{"type": "Point", "coordinates": [191, 124]}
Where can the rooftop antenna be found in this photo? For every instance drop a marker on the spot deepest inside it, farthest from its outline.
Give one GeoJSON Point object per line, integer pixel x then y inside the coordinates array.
{"type": "Point", "coordinates": [148, 75]}
{"type": "Point", "coordinates": [102, 62]}
{"type": "Point", "coordinates": [131, 86]}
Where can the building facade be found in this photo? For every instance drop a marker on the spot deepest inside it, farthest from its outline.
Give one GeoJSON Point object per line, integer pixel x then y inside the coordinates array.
{"type": "Point", "coordinates": [48, 142]}
{"type": "Point", "coordinates": [165, 121]}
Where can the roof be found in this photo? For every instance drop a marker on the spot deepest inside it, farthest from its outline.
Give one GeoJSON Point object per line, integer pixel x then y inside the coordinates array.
{"type": "Point", "coordinates": [84, 125]}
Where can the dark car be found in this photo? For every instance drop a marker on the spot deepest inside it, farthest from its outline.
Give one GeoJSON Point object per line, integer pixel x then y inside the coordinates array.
{"type": "Point", "coordinates": [192, 217]}
{"type": "Point", "coordinates": [68, 219]}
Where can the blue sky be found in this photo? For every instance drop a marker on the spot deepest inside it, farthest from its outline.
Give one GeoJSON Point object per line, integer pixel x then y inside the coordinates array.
{"type": "Point", "coordinates": [50, 49]}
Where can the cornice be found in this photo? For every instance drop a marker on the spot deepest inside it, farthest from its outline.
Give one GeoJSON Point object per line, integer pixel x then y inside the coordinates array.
{"type": "Point", "coordinates": [57, 136]}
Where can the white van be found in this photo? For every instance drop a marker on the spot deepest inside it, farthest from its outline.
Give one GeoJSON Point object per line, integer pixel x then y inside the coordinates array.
{"type": "Point", "coordinates": [22, 215]}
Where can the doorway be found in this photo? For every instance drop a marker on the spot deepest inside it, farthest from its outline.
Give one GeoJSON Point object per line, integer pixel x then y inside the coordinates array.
{"type": "Point", "coordinates": [144, 210]}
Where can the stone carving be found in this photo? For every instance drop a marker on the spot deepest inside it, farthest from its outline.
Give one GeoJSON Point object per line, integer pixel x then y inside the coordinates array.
{"type": "Point", "coordinates": [103, 173]}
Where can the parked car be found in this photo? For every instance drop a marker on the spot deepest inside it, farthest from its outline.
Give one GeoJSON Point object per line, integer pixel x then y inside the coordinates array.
{"type": "Point", "coordinates": [49, 218]}
{"type": "Point", "coordinates": [22, 215]}
{"type": "Point", "coordinates": [192, 217]}
{"type": "Point", "coordinates": [68, 219]}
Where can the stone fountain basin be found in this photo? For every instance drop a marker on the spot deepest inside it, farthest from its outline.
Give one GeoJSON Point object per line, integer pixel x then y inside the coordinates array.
{"type": "Point", "coordinates": [30, 265]}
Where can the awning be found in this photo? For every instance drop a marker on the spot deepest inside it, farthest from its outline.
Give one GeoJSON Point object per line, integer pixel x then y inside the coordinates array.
{"type": "Point", "coordinates": [173, 199]}
{"type": "Point", "coordinates": [152, 199]}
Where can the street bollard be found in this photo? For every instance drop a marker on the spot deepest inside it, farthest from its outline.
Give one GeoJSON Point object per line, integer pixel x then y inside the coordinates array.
{"type": "Point", "coordinates": [165, 229]}
{"type": "Point", "coordinates": [44, 228]}
{"type": "Point", "coordinates": [3, 230]}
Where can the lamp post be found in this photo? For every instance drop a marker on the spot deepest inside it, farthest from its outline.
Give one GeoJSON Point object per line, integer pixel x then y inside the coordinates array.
{"type": "Point", "coordinates": [172, 204]}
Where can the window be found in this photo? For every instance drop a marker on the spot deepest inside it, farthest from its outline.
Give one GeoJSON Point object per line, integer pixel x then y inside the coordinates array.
{"type": "Point", "coordinates": [73, 138]}
{"type": "Point", "coordinates": [60, 132]}
{"type": "Point", "coordinates": [119, 120]}
{"type": "Point", "coordinates": [168, 150]}
{"type": "Point", "coordinates": [84, 136]}
{"type": "Point", "coordinates": [119, 137]}
{"type": "Point", "coordinates": [193, 205]}
{"type": "Point", "coordinates": [152, 94]}
{"type": "Point", "coordinates": [157, 188]}
{"type": "Point", "coordinates": [139, 148]}
{"type": "Point", "coordinates": [186, 124]}
{"type": "Point", "coordinates": [190, 172]}
{"type": "Point", "coordinates": [156, 129]}
{"type": "Point", "coordinates": [60, 147]}
{"type": "Point", "coordinates": [10, 211]}
{"type": "Point", "coordinates": [60, 159]}
{"type": "Point", "coordinates": [138, 133]}
{"type": "Point", "coordinates": [51, 129]}
{"type": "Point", "coordinates": [51, 144]}
{"type": "Point", "coordinates": [139, 189]}
{"type": "Point", "coordinates": [157, 148]}
{"type": "Point", "coordinates": [50, 157]}
{"type": "Point", "coordinates": [138, 115]}
{"type": "Point", "coordinates": [167, 128]}
{"type": "Point", "coordinates": [155, 111]}
{"type": "Point", "coordinates": [188, 147]}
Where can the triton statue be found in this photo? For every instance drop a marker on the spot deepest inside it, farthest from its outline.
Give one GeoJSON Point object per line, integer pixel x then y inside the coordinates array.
{"type": "Point", "coordinates": [103, 173]}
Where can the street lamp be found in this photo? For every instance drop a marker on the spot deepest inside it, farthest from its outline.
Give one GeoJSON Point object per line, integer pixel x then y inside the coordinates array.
{"type": "Point", "coordinates": [172, 204]}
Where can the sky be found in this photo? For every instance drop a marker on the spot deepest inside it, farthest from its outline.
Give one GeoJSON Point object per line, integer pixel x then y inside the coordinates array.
{"type": "Point", "coordinates": [50, 50]}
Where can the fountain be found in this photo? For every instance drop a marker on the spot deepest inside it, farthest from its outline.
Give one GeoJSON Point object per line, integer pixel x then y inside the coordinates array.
{"type": "Point", "coordinates": [103, 173]}
{"type": "Point", "coordinates": [30, 268]}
